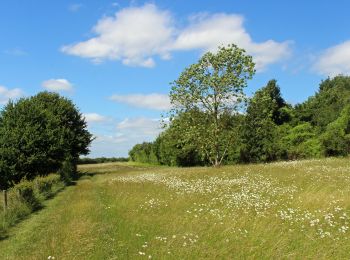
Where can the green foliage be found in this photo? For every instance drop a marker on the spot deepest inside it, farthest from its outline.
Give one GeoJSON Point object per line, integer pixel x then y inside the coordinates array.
{"type": "Point", "coordinates": [37, 134]}
{"type": "Point", "coordinates": [327, 104]}
{"type": "Point", "coordinates": [26, 197]}
{"type": "Point", "coordinates": [176, 146]}
{"type": "Point", "coordinates": [302, 142]}
{"type": "Point", "coordinates": [212, 87]}
{"type": "Point", "coordinates": [68, 170]}
{"type": "Point", "coordinates": [86, 160]}
{"type": "Point", "coordinates": [235, 144]}
{"type": "Point", "coordinates": [271, 129]}
{"type": "Point", "coordinates": [336, 138]}
{"type": "Point", "coordinates": [26, 190]}
{"type": "Point", "coordinates": [144, 153]}
{"type": "Point", "coordinates": [205, 127]}
{"type": "Point", "coordinates": [46, 186]}
{"type": "Point", "coordinates": [266, 110]}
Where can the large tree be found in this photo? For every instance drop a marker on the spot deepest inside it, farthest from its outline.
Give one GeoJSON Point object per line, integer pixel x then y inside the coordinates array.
{"type": "Point", "coordinates": [213, 86]}
{"type": "Point", "coordinates": [266, 110]}
{"type": "Point", "coordinates": [37, 135]}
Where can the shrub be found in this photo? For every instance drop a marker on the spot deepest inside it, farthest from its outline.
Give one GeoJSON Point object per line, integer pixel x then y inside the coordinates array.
{"type": "Point", "coordinates": [302, 142]}
{"type": "Point", "coordinates": [26, 191]}
{"type": "Point", "coordinates": [26, 197]}
{"type": "Point", "coordinates": [48, 185]}
{"type": "Point", "coordinates": [67, 171]}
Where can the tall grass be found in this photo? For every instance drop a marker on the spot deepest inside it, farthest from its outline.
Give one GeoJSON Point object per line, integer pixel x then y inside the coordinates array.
{"type": "Point", "coordinates": [26, 197]}
{"type": "Point", "coordinates": [284, 210]}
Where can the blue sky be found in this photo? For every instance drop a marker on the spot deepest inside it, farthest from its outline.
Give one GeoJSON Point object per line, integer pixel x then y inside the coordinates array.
{"type": "Point", "coordinates": [115, 59]}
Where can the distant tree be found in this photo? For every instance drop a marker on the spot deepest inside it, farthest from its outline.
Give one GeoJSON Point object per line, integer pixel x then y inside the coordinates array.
{"type": "Point", "coordinates": [213, 86]}
{"type": "Point", "coordinates": [38, 134]}
{"type": "Point", "coordinates": [336, 138]}
{"type": "Point", "coordinates": [86, 160]}
{"type": "Point", "coordinates": [266, 110]}
{"type": "Point", "coordinates": [144, 153]}
{"type": "Point", "coordinates": [326, 105]}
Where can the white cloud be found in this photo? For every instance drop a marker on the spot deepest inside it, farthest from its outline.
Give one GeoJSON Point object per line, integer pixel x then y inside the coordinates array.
{"type": "Point", "coordinates": [334, 60]}
{"type": "Point", "coordinates": [124, 135]}
{"type": "Point", "coordinates": [151, 101]}
{"type": "Point", "coordinates": [141, 126]}
{"type": "Point", "coordinates": [112, 139]}
{"type": "Point", "coordinates": [57, 85]}
{"type": "Point", "coordinates": [135, 35]}
{"type": "Point", "coordinates": [207, 32]}
{"type": "Point", "coordinates": [95, 118]}
{"type": "Point", "coordinates": [7, 94]}
{"type": "Point", "coordinates": [109, 146]}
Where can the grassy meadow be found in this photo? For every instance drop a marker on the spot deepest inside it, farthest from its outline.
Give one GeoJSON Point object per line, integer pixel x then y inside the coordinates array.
{"type": "Point", "coordinates": [283, 210]}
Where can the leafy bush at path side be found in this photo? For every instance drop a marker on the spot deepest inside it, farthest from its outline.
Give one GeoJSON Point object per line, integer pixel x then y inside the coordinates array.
{"type": "Point", "coordinates": [26, 197]}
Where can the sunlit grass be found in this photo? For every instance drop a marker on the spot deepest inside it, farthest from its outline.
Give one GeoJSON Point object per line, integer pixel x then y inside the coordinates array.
{"type": "Point", "coordinates": [282, 210]}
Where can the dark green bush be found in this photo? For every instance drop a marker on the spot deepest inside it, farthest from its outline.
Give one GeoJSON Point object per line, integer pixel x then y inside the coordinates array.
{"type": "Point", "coordinates": [48, 185]}
{"type": "Point", "coordinates": [68, 171]}
{"type": "Point", "coordinates": [26, 191]}
{"type": "Point", "coordinates": [302, 142]}
{"type": "Point", "coordinates": [26, 197]}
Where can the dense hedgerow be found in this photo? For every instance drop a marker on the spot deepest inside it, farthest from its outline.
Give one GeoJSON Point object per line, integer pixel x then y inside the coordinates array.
{"type": "Point", "coordinates": [26, 197]}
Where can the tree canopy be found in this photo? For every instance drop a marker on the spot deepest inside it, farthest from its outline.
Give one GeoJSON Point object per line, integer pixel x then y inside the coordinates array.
{"type": "Point", "coordinates": [211, 89]}
{"type": "Point", "coordinates": [39, 133]}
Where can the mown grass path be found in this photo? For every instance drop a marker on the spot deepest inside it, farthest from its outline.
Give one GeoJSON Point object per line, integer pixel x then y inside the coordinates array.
{"type": "Point", "coordinates": [278, 211]}
{"type": "Point", "coordinates": [73, 225]}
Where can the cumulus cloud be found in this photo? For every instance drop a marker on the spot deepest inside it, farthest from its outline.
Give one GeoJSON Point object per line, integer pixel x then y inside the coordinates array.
{"type": "Point", "coordinates": [207, 32]}
{"type": "Point", "coordinates": [7, 94]}
{"type": "Point", "coordinates": [150, 101]}
{"type": "Point", "coordinates": [111, 139]}
{"type": "Point", "coordinates": [334, 60]}
{"type": "Point", "coordinates": [112, 145]}
{"type": "Point", "coordinates": [124, 135]}
{"type": "Point", "coordinates": [141, 126]}
{"type": "Point", "coordinates": [135, 35]}
{"type": "Point", "coordinates": [57, 85]}
{"type": "Point", "coordinates": [94, 118]}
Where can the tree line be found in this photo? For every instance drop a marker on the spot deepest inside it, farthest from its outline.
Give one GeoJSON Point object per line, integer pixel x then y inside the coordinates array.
{"type": "Point", "coordinates": [86, 160]}
{"type": "Point", "coordinates": [212, 121]}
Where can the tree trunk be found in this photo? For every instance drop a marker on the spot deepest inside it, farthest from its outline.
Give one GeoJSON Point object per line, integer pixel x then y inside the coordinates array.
{"type": "Point", "coordinates": [217, 161]}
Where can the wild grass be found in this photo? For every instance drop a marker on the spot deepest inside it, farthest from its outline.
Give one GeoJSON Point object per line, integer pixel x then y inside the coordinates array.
{"type": "Point", "coordinates": [281, 210]}
{"type": "Point", "coordinates": [26, 197]}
